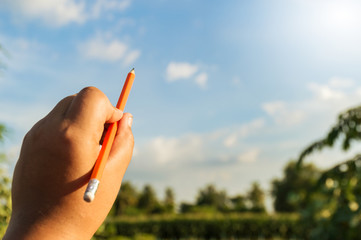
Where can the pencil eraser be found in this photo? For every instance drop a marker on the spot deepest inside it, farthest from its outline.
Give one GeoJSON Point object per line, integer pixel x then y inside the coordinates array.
{"type": "Point", "coordinates": [91, 189]}
{"type": "Point", "coordinates": [89, 196]}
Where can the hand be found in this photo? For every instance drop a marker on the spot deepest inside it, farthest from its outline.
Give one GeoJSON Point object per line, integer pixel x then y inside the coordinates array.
{"type": "Point", "coordinates": [55, 165]}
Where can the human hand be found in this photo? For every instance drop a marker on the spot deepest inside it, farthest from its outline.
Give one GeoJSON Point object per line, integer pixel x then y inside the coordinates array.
{"type": "Point", "coordinates": [55, 165]}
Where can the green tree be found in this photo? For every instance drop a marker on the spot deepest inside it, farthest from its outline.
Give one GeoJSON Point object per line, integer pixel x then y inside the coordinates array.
{"type": "Point", "coordinates": [210, 196]}
{"type": "Point", "coordinates": [169, 200]}
{"type": "Point", "coordinates": [186, 207]}
{"type": "Point", "coordinates": [256, 197]}
{"type": "Point", "coordinates": [126, 200]}
{"type": "Point", "coordinates": [147, 200]}
{"type": "Point", "coordinates": [5, 193]}
{"type": "Point", "coordinates": [2, 132]}
{"type": "Point", "coordinates": [239, 203]}
{"type": "Point", "coordinates": [290, 192]}
{"type": "Point", "coordinates": [347, 128]}
{"type": "Point", "coordinates": [333, 210]}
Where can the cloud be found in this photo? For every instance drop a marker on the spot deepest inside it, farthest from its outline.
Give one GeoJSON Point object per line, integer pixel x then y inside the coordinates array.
{"type": "Point", "coordinates": [131, 57]}
{"type": "Point", "coordinates": [325, 92]}
{"type": "Point", "coordinates": [249, 156]}
{"type": "Point", "coordinates": [339, 82]}
{"type": "Point", "coordinates": [62, 12]}
{"type": "Point", "coordinates": [222, 146]}
{"type": "Point", "coordinates": [56, 13]}
{"type": "Point", "coordinates": [177, 71]}
{"type": "Point", "coordinates": [112, 50]}
{"type": "Point", "coordinates": [180, 70]}
{"type": "Point", "coordinates": [109, 5]}
{"type": "Point", "coordinates": [201, 80]}
{"type": "Point", "coordinates": [282, 113]}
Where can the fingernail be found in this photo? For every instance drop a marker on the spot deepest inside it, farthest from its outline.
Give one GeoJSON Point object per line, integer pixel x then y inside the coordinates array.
{"type": "Point", "coordinates": [130, 121]}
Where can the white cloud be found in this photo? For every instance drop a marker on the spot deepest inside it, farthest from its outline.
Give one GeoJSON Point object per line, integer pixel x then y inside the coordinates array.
{"type": "Point", "coordinates": [177, 71]}
{"type": "Point", "coordinates": [282, 114]}
{"type": "Point", "coordinates": [223, 146]}
{"type": "Point", "coordinates": [243, 131]}
{"type": "Point", "coordinates": [325, 92]}
{"type": "Point", "coordinates": [180, 70]}
{"type": "Point", "coordinates": [57, 13]}
{"type": "Point", "coordinates": [131, 57]}
{"type": "Point", "coordinates": [247, 129]}
{"type": "Point", "coordinates": [175, 150]}
{"type": "Point", "coordinates": [249, 156]}
{"type": "Point", "coordinates": [62, 12]}
{"type": "Point", "coordinates": [230, 141]}
{"type": "Point", "coordinates": [108, 51]}
{"type": "Point", "coordinates": [109, 5]}
{"type": "Point", "coordinates": [111, 50]}
{"type": "Point", "coordinates": [201, 79]}
{"type": "Point", "coordinates": [338, 82]}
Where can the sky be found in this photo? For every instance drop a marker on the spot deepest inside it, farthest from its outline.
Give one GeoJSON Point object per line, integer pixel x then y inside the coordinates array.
{"type": "Point", "coordinates": [226, 92]}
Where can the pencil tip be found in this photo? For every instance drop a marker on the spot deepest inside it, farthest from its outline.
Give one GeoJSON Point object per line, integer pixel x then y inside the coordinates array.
{"type": "Point", "coordinates": [132, 71]}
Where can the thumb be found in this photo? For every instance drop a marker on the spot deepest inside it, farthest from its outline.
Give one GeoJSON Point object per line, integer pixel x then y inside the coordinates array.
{"type": "Point", "coordinates": [114, 115]}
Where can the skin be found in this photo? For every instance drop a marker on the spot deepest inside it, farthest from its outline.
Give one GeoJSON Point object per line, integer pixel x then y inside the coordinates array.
{"type": "Point", "coordinates": [55, 165]}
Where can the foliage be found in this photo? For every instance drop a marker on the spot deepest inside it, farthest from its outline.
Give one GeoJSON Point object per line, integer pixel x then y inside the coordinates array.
{"type": "Point", "coordinates": [5, 193]}
{"type": "Point", "coordinates": [212, 200]}
{"type": "Point", "coordinates": [148, 201]}
{"type": "Point", "coordinates": [239, 203]}
{"type": "Point", "coordinates": [256, 198]}
{"type": "Point", "coordinates": [290, 192]}
{"type": "Point", "coordinates": [210, 196]}
{"type": "Point", "coordinates": [169, 200]}
{"type": "Point", "coordinates": [333, 209]}
{"type": "Point", "coordinates": [3, 131]}
{"type": "Point", "coordinates": [219, 226]}
{"type": "Point", "coordinates": [126, 200]}
{"type": "Point", "coordinates": [348, 127]}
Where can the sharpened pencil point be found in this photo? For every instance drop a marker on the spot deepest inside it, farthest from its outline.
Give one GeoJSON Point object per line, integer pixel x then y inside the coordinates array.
{"type": "Point", "coordinates": [132, 71]}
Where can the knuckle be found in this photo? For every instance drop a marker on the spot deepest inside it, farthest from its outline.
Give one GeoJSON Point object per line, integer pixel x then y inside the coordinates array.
{"type": "Point", "coordinates": [94, 93]}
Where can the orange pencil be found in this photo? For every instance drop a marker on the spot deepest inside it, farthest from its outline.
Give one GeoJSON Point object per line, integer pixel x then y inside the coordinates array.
{"type": "Point", "coordinates": [108, 142]}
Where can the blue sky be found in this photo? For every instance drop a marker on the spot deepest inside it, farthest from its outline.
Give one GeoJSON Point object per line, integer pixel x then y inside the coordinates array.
{"type": "Point", "coordinates": [225, 92]}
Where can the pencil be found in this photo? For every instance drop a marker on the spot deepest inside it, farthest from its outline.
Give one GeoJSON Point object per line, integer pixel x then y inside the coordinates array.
{"type": "Point", "coordinates": [98, 169]}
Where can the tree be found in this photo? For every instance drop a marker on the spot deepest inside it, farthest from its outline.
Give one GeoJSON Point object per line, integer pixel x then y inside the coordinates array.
{"type": "Point", "coordinates": [333, 209]}
{"type": "Point", "coordinates": [127, 198]}
{"type": "Point", "coordinates": [169, 200]}
{"type": "Point", "coordinates": [347, 127]}
{"type": "Point", "coordinates": [5, 193]}
{"type": "Point", "coordinates": [210, 196]}
{"type": "Point", "coordinates": [2, 132]}
{"type": "Point", "coordinates": [147, 200]}
{"type": "Point", "coordinates": [256, 198]}
{"type": "Point", "coordinates": [239, 203]}
{"type": "Point", "coordinates": [290, 192]}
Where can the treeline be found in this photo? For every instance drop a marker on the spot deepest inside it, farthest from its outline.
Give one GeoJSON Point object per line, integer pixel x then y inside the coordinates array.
{"type": "Point", "coordinates": [289, 194]}
{"type": "Point", "coordinates": [132, 202]}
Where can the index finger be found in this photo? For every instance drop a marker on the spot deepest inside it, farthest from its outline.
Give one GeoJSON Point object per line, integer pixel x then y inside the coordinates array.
{"type": "Point", "coordinates": [91, 109]}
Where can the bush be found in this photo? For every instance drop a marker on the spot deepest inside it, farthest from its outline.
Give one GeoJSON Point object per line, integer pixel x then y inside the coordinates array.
{"type": "Point", "coordinates": [238, 226]}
